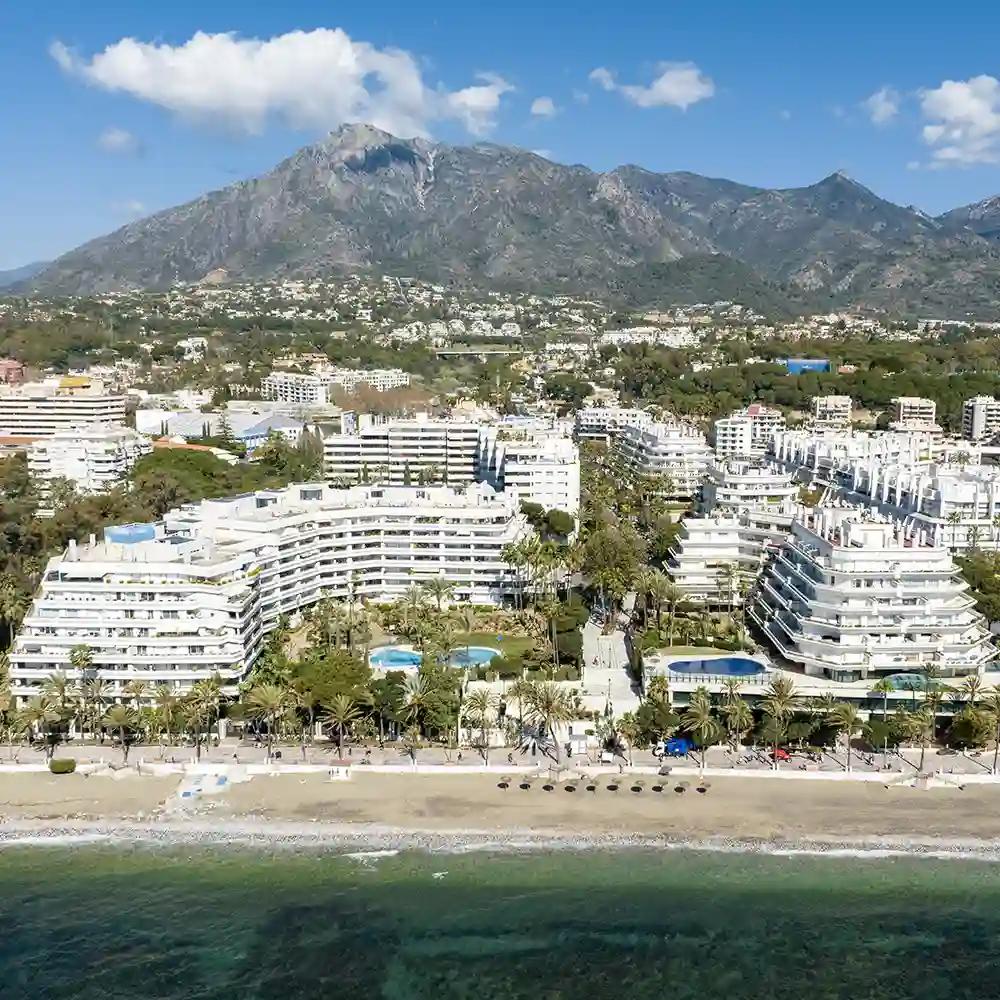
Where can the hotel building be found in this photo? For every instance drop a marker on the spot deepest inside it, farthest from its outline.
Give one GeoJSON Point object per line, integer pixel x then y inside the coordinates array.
{"type": "Point", "coordinates": [850, 598]}
{"type": "Point", "coordinates": [980, 418]}
{"type": "Point", "coordinates": [602, 423]}
{"type": "Point", "coordinates": [748, 432]}
{"type": "Point", "coordinates": [196, 594]}
{"type": "Point", "coordinates": [38, 409]}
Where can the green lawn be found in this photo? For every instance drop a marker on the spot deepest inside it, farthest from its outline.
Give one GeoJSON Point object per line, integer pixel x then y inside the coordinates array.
{"type": "Point", "coordinates": [510, 644]}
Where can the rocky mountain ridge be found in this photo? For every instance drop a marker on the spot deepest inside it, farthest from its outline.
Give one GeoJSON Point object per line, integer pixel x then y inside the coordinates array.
{"type": "Point", "coordinates": [362, 199]}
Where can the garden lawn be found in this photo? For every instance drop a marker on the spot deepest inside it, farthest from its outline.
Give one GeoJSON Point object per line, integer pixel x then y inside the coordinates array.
{"type": "Point", "coordinates": [510, 644]}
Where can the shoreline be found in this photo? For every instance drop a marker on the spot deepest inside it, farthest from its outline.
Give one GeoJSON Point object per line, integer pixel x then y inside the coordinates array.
{"type": "Point", "coordinates": [367, 842]}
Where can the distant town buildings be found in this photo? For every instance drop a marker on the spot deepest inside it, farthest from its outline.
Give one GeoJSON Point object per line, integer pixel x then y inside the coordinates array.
{"type": "Point", "coordinates": [980, 418]}
{"type": "Point", "coordinates": [832, 412]}
{"type": "Point", "coordinates": [747, 433]}
{"type": "Point", "coordinates": [38, 409]}
{"type": "Point", "coordinates": [316, 389]}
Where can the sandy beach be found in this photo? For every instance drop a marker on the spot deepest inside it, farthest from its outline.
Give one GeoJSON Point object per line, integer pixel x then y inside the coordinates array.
{"type": "Point", "coordinates": [741, 808]}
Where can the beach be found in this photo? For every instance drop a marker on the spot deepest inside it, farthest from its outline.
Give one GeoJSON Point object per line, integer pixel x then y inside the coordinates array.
{"type": "Point", "coordinates": [739, 807]}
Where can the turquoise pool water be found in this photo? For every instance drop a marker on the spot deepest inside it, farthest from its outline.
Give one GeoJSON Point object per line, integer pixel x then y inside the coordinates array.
{"type": "Point", "coordinates": [401, 658]}
{"type": "Point", "coordinates": [720, 666]}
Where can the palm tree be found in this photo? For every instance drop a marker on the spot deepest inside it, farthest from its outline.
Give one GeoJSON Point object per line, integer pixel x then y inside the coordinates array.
{"type": "Point", "coordinates": [60, 689]}
{"type": "Point", "coordinates": [996, 532]}
{"type": "Point", "coordinates": [42, 714]}
{"type": "Point", "coordinates": [738, 721]}
{"type": "Point", "coordinates": [512, 555]}
{"type": "Point", "coordinates": [166, 707]}
{"type": "Point", "coordinates": [993, 707]}
{"type": "Point", "coordinates": [95, 693]}
{"type": "Point", "coordinates": [137, 690]}
{"type": "Point", "coordinates": [412, 606]}
{"type": "Point", "coordinates": [268, 704]}
{"type": "Point", "coordinates": [121, 719]}
{"type": "Point", "coordinates": [954, 519]}
{"type": "Point", "coordinates": [416, 694]}
{"type": "Point", "coordinates": [480, 708]}
{"type": "Point", "coordinates": [200, 706]}
{"type": "Point", "coordinates": [779, 704]}
{"type": "Point", "coordinates": [658, 587]}
{"type": "Point", "coordinates": [971, 689]}
{"type": "Point", "coordinates": [884, 687]}
{"type": "Point", "coordinates": [848, 719]}
{"type": "Point", "coordinates": [921, 727]}
{"type": "Point", "coordinates": [327, 626]}
{"type": "Point", "coordinates": [699, 720]}
{"type": "Point", "coordinates": [439, 589]}
{"type": "Point", "coordinates": [340, 712]}
{"type": "Point", "coordinates": [672, 597]}
{"type": "Point", "coordinates": [551, 705]}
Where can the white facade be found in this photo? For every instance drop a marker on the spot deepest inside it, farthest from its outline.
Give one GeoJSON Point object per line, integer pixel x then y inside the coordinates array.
{"type": "Point", "coordinates": [197, 593]}
{"type": "Point", "coordinates": [601, 423]}
{"type": "Point", "coordinates": [316, 389]}
{"type": "Point", "coordinates": [676, 453]}
{"type": "Point", "coordinates": [915, 409]}
{"type": "Point", "coordinates": [832, 411]}
{"type": "Point", "coordinates": [849, 597]}
{"type": "Point", "coordinates": [747, 432]}
{"type": "Point", "coordinates": [734, 485]}
{"type": "Point", "coordinates": [92, 458]}
{"type": "Point", "coordinates": [980, 418]}
{"type": "Point", "coordinates": [403, 452]}
{"type": "Point", "coordinates": [37, 409]}
{"type": "Point", "coordinates": [543, 467]}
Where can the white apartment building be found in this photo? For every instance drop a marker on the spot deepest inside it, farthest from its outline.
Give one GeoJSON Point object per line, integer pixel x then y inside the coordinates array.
{"type": "Point", "coordinates": [193, 595]}
{"type": "Point", "coordinates": [93, 458]}
{"type": "Point", "coordinates": [678, 454]}
{"type": "Point", "coordinates": [832, 411]}
{"type": "Point", "coordinates": [403, 452]}
{"type": "Point", "coordinates": [37, 409]}
{"type": "Point", "coordinates": [745, 510]}
{"type": "Point", "coordinates": [316, 389]}
{"type": "Point", "coordinates": [602, 423]}
{"type": "Point", "coordinates": [914, 409]}
{"type": "Point", "coordinates": [850, 598]}
{"type": "Point", "coordinates": [747, 432]}
{"type": "Point", "coordinates": [980, 418]}
{"type": "Point", "coordinates": [732, 486]}
{"type": "Point", "coordinates": [951, 504]}
{"type": "Point", "coordinates": [542, 466]}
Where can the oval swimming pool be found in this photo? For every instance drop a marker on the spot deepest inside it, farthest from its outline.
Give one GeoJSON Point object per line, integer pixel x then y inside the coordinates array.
{"type": "Point", "coordinates": [403, 658]}
{"type": "Point", "coordinates": [718, 666]}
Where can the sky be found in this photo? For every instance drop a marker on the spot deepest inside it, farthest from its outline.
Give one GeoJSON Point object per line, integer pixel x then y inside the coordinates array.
{"type": "Point", "coordinates": [114, 110]}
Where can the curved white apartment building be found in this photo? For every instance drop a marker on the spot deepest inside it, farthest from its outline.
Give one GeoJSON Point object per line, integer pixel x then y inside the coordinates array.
{"type": "Point", "coordinates": [677, 453]}
{"type": "Point", "coordinates": [175, 602]}
{"type": "Point", "coordinates": [850, 598]}
{"type": "Point", "coordinates": [746, 508]}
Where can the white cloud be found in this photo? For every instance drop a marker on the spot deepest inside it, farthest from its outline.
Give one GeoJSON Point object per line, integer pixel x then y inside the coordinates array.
{"type": "Point", "coordinates": [117, 140]}
{"type": "Point", "coordinates": [882, 106]}
{"type": "Point", "coordinates": [678, 85]}
{"type": "Point", "coordinates": [308, 79]}
{"type": "Point", "coordinates": [964, 117]}
{"type": "Point", "coordinates": [602, 77]}
{"type": "Point", "coordinates": [131, 207]}
{"type": "Point", "coordinates": [913, 165]}
{"type": "Point", "coordinates": [581, 97]}
{"type": "Point", "coordinates": [544, 107]}
{"type": "Point", "coordinates": [785, 115]}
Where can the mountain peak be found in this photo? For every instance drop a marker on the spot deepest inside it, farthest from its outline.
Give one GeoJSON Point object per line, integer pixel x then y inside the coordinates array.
{"type": "Point", "coordinates": [358, 135]}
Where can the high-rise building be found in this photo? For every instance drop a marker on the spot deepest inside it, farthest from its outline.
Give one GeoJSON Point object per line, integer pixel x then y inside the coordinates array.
{"type": "Point", "coordinates": [832, 411]}
{"type": "Point", "coordinates": [196, 594]}
{"type": "Point", "coordinates": [747, 433]}
{"type": "Point", "coordinates": [980, 418]}
{"type": "Point", "coordinates": [543, 466]}
{"type": "Point", "coordinates": [675, 454]}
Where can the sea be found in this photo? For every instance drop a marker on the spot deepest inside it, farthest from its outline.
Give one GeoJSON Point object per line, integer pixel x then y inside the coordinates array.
{"type": "Point", "coordinates": [86, 920]}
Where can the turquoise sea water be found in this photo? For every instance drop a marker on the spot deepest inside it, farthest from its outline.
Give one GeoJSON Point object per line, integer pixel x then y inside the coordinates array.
{"type": "Point", "coordinates": [102, 923]}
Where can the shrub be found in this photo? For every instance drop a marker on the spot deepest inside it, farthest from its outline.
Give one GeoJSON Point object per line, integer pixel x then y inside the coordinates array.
{"type": "Point", "coordinates": [62, 765]}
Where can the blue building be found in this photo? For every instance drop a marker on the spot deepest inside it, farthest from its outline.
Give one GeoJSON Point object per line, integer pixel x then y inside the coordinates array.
{"type": "Point", "coordinates": [797, 366]}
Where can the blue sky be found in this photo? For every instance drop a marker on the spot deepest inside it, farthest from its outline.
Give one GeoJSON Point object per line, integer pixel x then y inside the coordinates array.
{"type": "Point", "coordinates": [115, 109]}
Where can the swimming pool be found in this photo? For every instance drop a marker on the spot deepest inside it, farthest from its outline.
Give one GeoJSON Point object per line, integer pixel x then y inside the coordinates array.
{"type": "Point", "coordinates": [719, 666]}
{"type": "Point", "coordinates": [405, 658]}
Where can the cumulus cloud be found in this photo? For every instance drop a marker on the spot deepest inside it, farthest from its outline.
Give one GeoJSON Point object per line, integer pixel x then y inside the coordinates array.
{"type": "Point", "coordinates": [544, 107]}
{"type": "Point", "coordinates": [882, 106]}
{"type": "Point", "coordinates": [117, 140]}
{"type": "Point", "coordinates": [677, 85]}
{"type": "Point", "coordinates": [964, 121]}
{"type": "Point", "coordinates": [308, 79]}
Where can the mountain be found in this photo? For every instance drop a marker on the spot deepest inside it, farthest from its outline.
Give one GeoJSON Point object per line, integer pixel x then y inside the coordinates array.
{"type": "Point", "coordinates": [365, 200]}
{"type": "Point", "coordinates": [983, 218]}
{"type": "Point", "coordinates": [28, 271]}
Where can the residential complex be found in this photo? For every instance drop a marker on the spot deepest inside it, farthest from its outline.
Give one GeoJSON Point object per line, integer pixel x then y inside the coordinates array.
{"type": "Point", "coordinates": [914, 409]}
{"type": "Point", "coordinates": [849, 597]}
{"type": "Point", "coordinates": [980, 418]}
{"type": "Point", "coordinates": [832, 411]}
{"type": "Point", "coordinates": [543, 467]}
{"type": "Point", "coordinates": [403, 452]}
{"type": "Point", "coordinates": [316, 389]}
{"type": "Point", "coordinates": [602, 423]}
{"type": "Point", "coordinates": [675, 454]}
{"type": "Point", "coordinates": [194, 595]}
{"type": "Point", "coordinates": [748, 432]}
{"type": "Point", "coordinates": [92, 458]}
{"type": "Point", "coordinates": [38, 409]}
